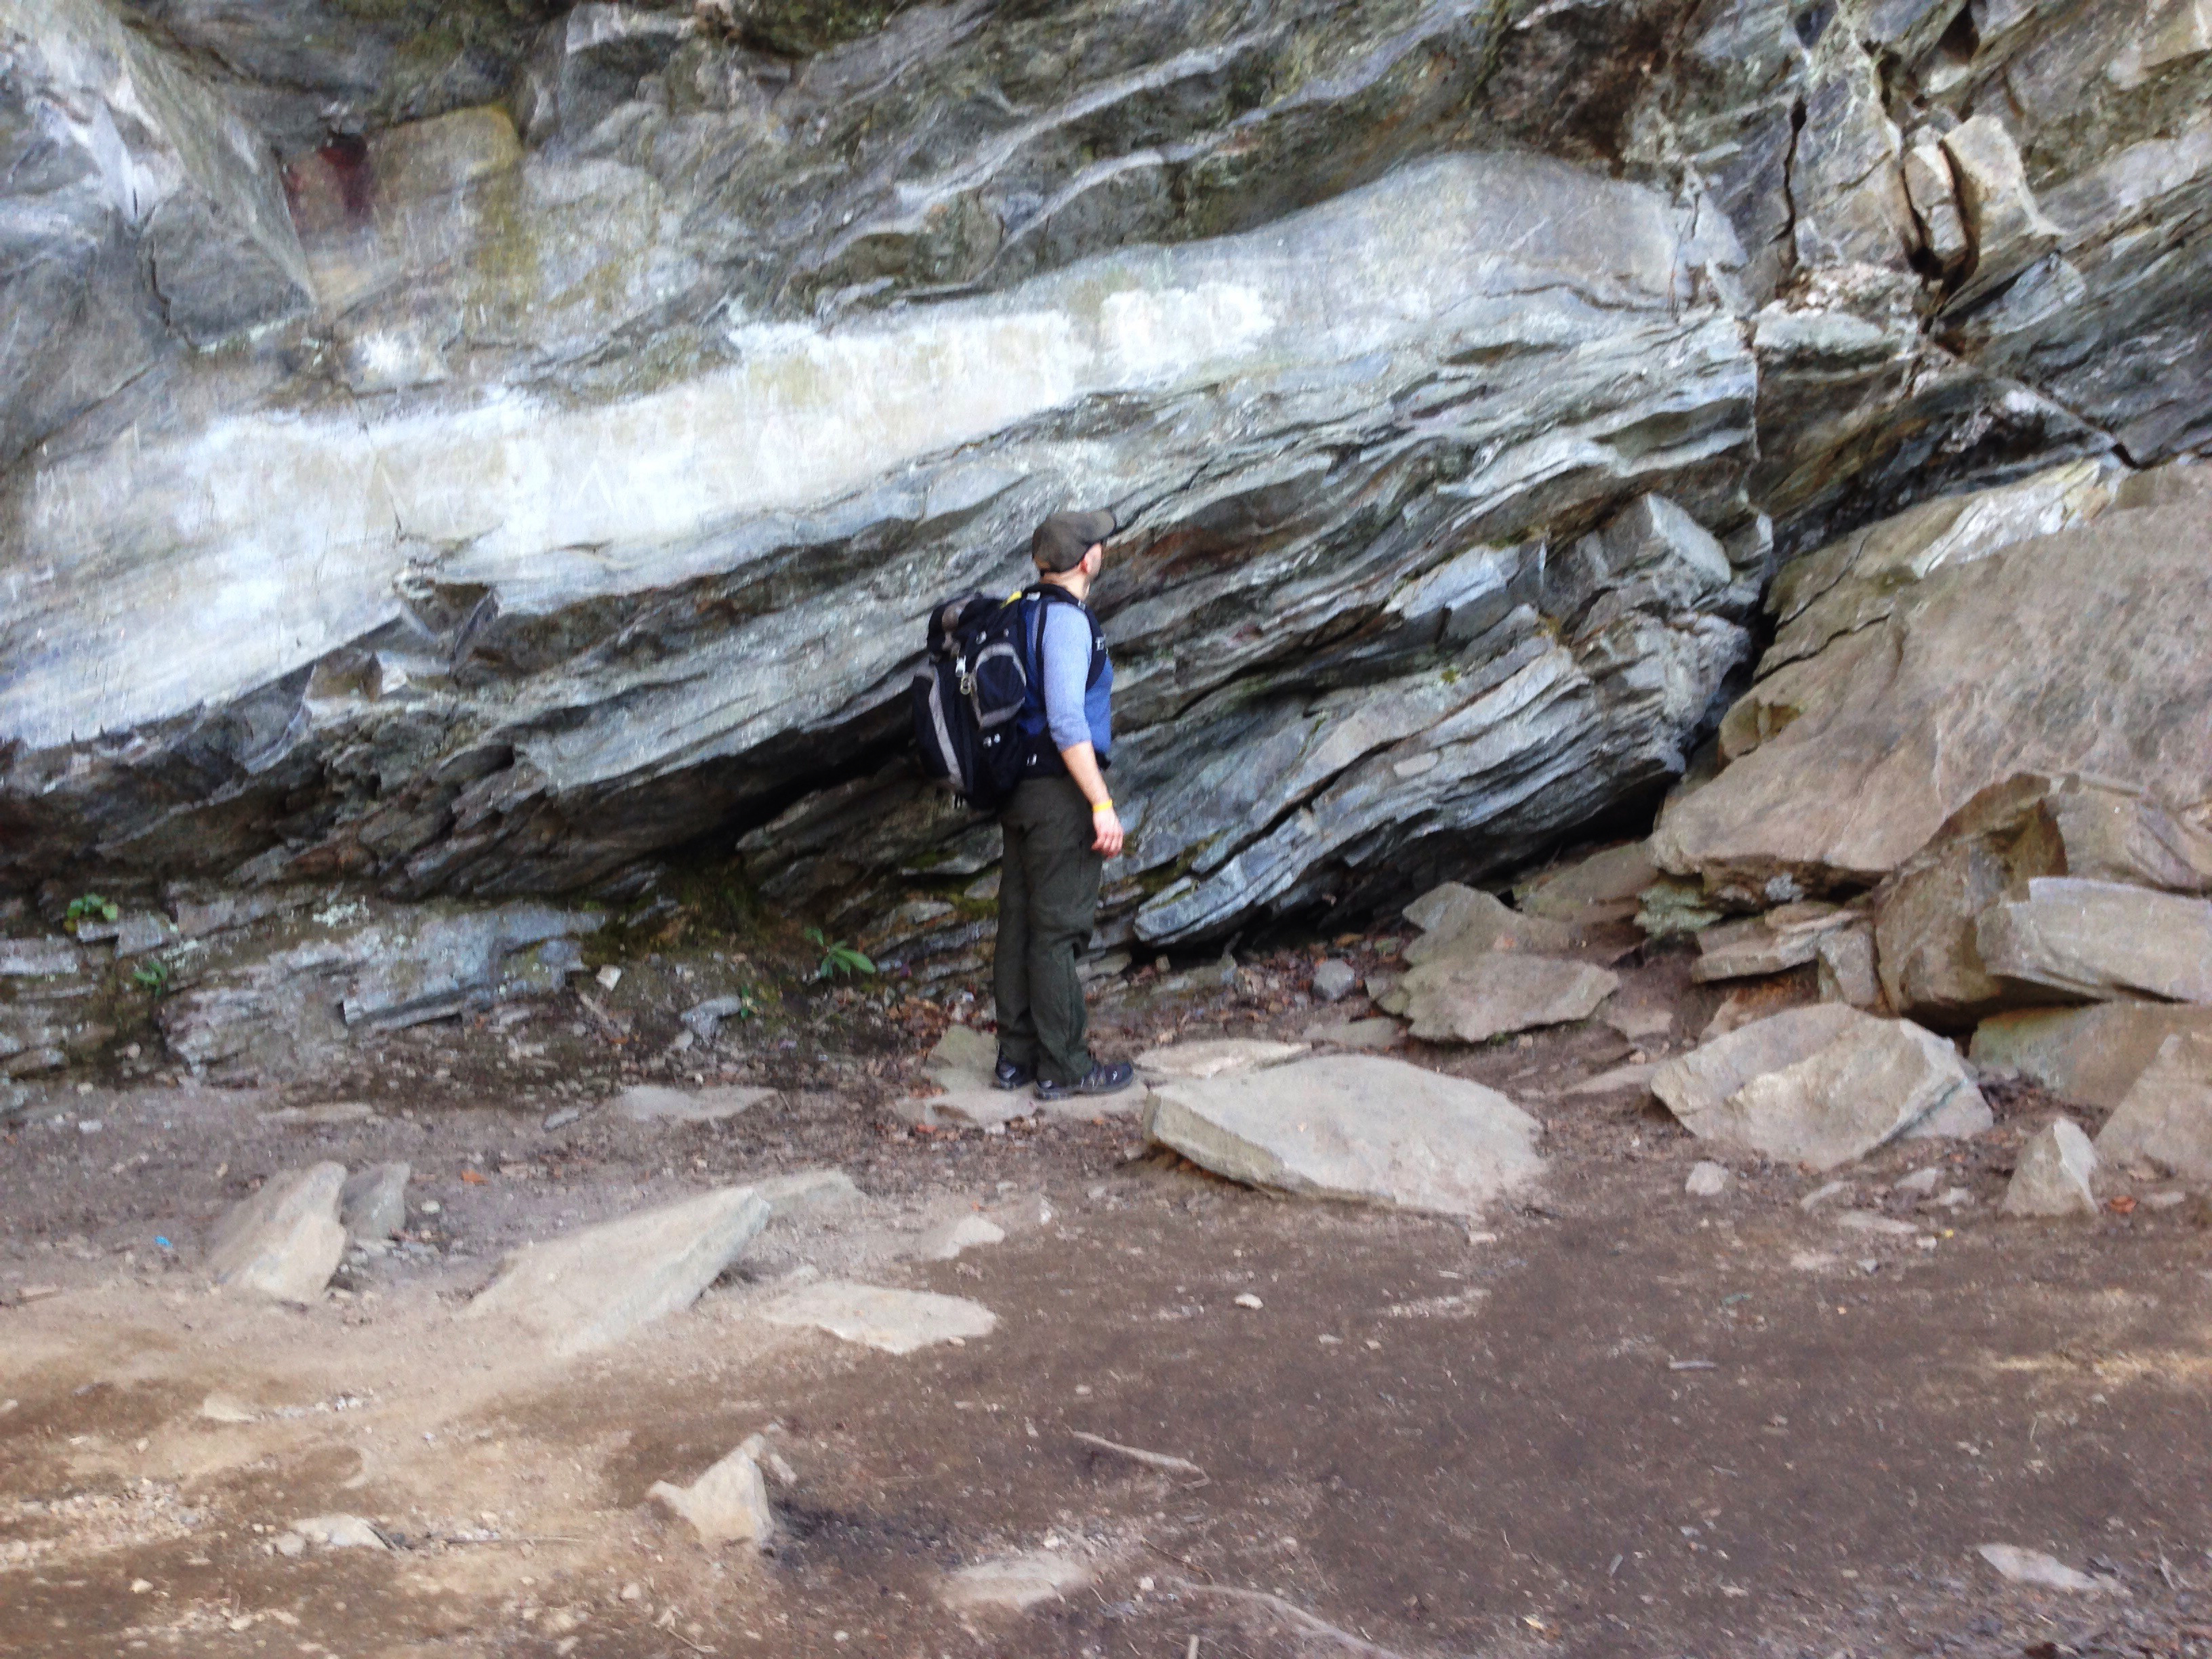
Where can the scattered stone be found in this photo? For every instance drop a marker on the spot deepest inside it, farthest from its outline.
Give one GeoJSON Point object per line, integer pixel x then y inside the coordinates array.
{"type": "Point", "coordinates": [1377, 1033]}
{"type": "Point", "coordinates": [807, 1193]}
{"type": "Point", "coordinates": [1333, 979]}
{"type": "Point", "coordinates": [1215, 1057]}
{"type": "Point", "coordinates": [2052, 1177]}
{"type": "Point", "coordinates": [704, 1019]}
{"type": "Point", "coordinates": [1632, 1079]}
{"type": "Point", "coordinates": [36, 958]}
{"type": "Point", "coordinates": [1013, 1583]}
{"type": "Point", "coordinates": [2166, 1116]}
{"type": "Point", "coordinates": [289, 1545]}
{"type": "Point", "coordinates": [944, 1242]}
{"type": "Point", "coordinates": [1708, 1180]}
{"type": "Point", "coordinates": [1640, 1024]}
{"type": "Point", "coordinates": [1385, 989]}
{"type": "Point", "coordinates": [896, 1321]}
{"type": "Point", "coordinates": [596, 1286]}
{"type": "Point", "coordinates": [2026, 1567]}
{"type": "Point", "coordinates": [963, 1055]}
{"type": "Point", "coordinates": [340, 1532]}
{"type": "Point", "coordinates": [1474, 999]}
{"type": "Point", "coordinates": [1782, 938]}
{"type": "Point", "coordinates": [1606, 886]}
{"type": "Point", "coordinates": [726, 1505]}
{"type": "Point", "coordinates": [227, 1408]}
{"type": "Point", "coordinates": [1246, 1299]}
{"type": "Point", "coordinates": [1921, 1183]}
{"type": "Point", "coordinates": [286, 1241]}
{"type": "Point", "coordinates": [2171, 1198]}
{"type": "Point", "coordinates": [2100, 940]}
{"type": "Point", "coordinates": [653, 1102]}
{"type": "Point", "coordinates": [2091, 1055]}
{"type": "Point", "coordinates": [1822, 1194]}
{"type": "Point", "coordinates": [373, 1204]}
{"type": "Point", "coordinates": [1465, 921]}
{"type": "Point", "coordinates": [326, 1116]}
{"type": "Point", "coordinates": [1821, 1085]}
{"type": "Point", "coordinates": [1866, 1221]}
{"type": "Point", "coordinates": [1355, 1126]}
{"type": "Point", "coordinates": [562, 1118]}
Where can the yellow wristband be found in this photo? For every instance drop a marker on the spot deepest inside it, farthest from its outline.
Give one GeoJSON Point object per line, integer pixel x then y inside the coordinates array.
{"type": "Point", "coordinates": [1101, 806]}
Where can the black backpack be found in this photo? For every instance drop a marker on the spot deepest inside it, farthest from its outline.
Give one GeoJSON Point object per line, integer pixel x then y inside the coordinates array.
{"type": "Point", "coordinates": [969, 697]}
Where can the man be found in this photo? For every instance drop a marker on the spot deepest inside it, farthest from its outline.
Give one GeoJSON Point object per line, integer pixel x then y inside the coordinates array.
{"type": "Point", "coordinates": [1060, 826]}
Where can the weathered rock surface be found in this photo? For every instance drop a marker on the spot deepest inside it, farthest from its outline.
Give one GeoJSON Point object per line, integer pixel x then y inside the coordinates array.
{"type": "Point", "coordinates": [726, 1505]}
{"type": "Point", "coordinates": [2051, 1176]}
{"type": "Point", "coordinates": [2093, 1054]}
{"type": "Point", "coordinates": [1461, 921]}
{"type": "Point", "coordinates": [2100, 939]}
{"type": "Point", "coordinates": [631, 384]}
{"type": "Point", "coordinates": [1457, 998]}
{"type": "Point", "coordinates": [594, 1286]}
{"type": "Point", "coordinates": [1842, 764]}
{"type": "Point", "coordinates": [1782, 938]}
{"type": "Point", "coordinates": [1357, 1127]}
{"type": "Point", "coordinates": [286, 1241]}
{"type": "Point", "coordinates": [372, 1203]}
{"type": "Point", "coordinates": [1606, 885]}
{"type": "Point", "coordinates": [2006, 835]}
{"type": "Point", "coordinates": [1821, 1085]}
{"type": "Point", "coordinates": [896, 1321]}
{"type": "Point", "coordinates": [2165, 1116]}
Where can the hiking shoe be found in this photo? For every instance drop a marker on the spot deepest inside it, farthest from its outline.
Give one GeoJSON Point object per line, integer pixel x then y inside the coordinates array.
{"type": "Point", "coordinates": [1107, 1076]}
{"type": "Point", "coordinates": [1007, 1074]}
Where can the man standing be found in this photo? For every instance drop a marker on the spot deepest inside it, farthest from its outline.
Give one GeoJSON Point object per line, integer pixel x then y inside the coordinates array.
{"type": "Point", "coordinates": [1060, 825]}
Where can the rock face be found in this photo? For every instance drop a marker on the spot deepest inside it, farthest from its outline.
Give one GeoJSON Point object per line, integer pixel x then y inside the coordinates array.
{"type": "Point", "coordinates": [1821, 1085]}
{"type": "Point", "coordinates": [595, 1285]}
{"type": "Point", "coordinates": [1357, 1127]}
{"type": "Point", "coordinates": [286, 1241]}
{"type": "Point", "coordinates": [469, 455]}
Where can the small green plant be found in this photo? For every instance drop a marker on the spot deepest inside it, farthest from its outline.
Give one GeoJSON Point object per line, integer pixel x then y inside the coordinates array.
{"type": "Point", "coordinates": [90, 907]}
{"type": "Point", "coordinates": [152, 977]}
{"type": "Point", "coordinates": [838, 959]}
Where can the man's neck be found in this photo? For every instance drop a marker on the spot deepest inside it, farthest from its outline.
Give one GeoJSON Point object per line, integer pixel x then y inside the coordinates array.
{"type": "Point", "coordinates": [1074, 583]}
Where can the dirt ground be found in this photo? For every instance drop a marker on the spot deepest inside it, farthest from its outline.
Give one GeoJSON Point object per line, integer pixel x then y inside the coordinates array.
{"type": "Point", "coordinates": [1615, 1420]}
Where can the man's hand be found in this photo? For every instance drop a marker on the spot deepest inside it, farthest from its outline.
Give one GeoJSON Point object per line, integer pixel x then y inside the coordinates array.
{"type": "Point", "coordinates": [1108, 839]}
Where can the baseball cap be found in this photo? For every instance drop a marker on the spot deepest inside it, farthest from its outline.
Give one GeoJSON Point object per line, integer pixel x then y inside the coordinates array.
{"type": "Point", "coordinates": [1061, 541]}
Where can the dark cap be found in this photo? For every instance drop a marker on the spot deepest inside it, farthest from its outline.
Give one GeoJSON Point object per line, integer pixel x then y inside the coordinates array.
{"type": "Point", "coordinates": [1061, 541]}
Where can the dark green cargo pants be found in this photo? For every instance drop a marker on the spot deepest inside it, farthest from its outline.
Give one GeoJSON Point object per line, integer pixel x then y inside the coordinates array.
{"type": "Point", "coordinates": [1048, 900]}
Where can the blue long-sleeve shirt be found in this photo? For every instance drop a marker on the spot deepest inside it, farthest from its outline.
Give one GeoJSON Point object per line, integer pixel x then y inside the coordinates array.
{"type": "Point", "coordinates": [1076, 711]}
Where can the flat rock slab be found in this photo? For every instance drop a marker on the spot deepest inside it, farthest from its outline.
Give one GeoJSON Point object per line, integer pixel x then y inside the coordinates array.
{"type": "Point", "coordinates": [1606, 886]}
{"type": "Point", "coordinates": [1772, 944]}
{"type": "Point", "coordinates": [1354, 1126]}
{"type": "Point", "coordinates": [2051, 1176]}
{"type": "Point", "coordinates": [2101, 939]}
{"type": "Point", "coordinates": [1013, 1583]}
{"type": "Point", "coordinates": [286, 1241]}
{"type": "Point", "coordinates": [896, 1322]}
{"type": "Point", "coordinates": [1214, 1057]}
{"type": "Point", "coordinates": [1821, 1085]}
{"type": "Point", "coordinates": [653, 1102]}
{"type": "Point", "coordinates": [806, 1193]}
{"type": "Point", "coordinates": [1379, 1032]}
{"type": "Point", "coordinates": [2166, 1116]}
{"type": "Point", "coordinates": [2093, 1054]}
{"type": "Point", "coordinates": [372, 1203]}
{"type": "Point", "coordinates": [944, 1242]}
{"type": "Point", "coordinates": [2026, 1567]}
{"type": "Point", "coordinates": [1472, 999]}
{"type": "Point", "coordinates": [963, 1055]}
{"type": "Point", "coordinates": [596, 1286]}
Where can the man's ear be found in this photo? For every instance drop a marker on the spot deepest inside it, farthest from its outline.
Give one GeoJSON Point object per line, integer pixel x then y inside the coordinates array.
{"type": "Point", "coordinates": [1095, 560]}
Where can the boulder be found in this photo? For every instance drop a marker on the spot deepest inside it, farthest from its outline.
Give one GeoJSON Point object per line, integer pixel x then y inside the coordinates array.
{"type": "Point", "coordinates": [1357, 1127]}
{"type": "Point", "coordinates": [1214, 1056]}
{"type": "Point", "coordinates": [944, 1242]}
{"type": "Point", "coordinates": [2094, 1054]}
{"type": "Point", "coordinates": [1606, 885]}
{"type": "Point", "coordinates": [1821, 1085]}
{"type": "Point", "coordinates": [286, 1241]}
{"type": "Point", "coordinates": [2100, 939]}
{"type": "Point", "coordinates": [1843, 764]}
{"type": "Point", "coordinates": [1457, 998]}
{"type": "Point", "coordinates": [894, 1321]}
{"type": "Point", "coordinates": [2166, 1117]}
{"type": "Point", "coordinates": [372, 1203]}
{"type": "Point", "coordinates": [2007, 834]}
{"type": "Point", "coordinates": [726, 1505]}
{"type": "Point", "coordinates": [1782, 938]}
{"type": "Point", "coordinates": [2051, 1175]}
{"type": "Point", "coordinates": [1465, 921]}
{"type": "Point", "coordinates": [593, 1287]}
{"type": "Point", "coordinates": [655, 1103]}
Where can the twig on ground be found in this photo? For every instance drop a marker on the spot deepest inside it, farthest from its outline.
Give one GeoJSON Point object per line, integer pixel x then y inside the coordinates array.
{"type": "Point", "coordinates": [1150, 1459]}
{"type": "Point", "coordinates": [1291, 1614]}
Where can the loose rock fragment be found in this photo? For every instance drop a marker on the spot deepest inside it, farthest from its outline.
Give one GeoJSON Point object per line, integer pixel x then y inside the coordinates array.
{"type": "Point", "coordinates": [372, 1203]}
{"type": "Point", "coordinates": [340, 1532]}
{"type": "Point", "coordinates": [1472, 999]}
{"type": "Point", "coordinates": [1013, 1583]}
{"type": "Point", "coordinates": [2026, 1567]}
{"type": "Point", "coordinates": [726, 1505]}
{"type": "Point", "coordinates": [945, 1242]}
{"type": "Point", "coordinates": [2166, 1117]}
{"type": "Point", "coordinates": [1708, 1180]}
{"type": "Point", "coordinates": [2052, 1177]}
{"type": "Point", "coordinates": [1215, 1057]}
{"type": "Point", "coordinates": [896, 1321]}
{"type": "Point", "coordinates": [653, 1103]}
{"type": "Point", "coordinates": [286, 1241]}
{"type": "Point", "coordinates": [1333, 979]}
